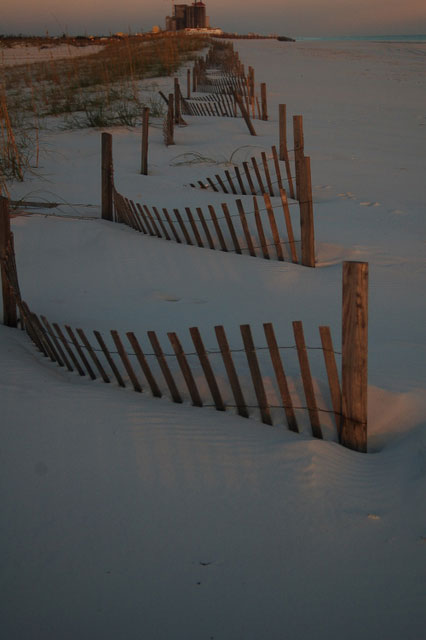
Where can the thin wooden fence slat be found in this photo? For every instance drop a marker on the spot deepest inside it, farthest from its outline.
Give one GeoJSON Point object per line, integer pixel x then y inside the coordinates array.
{"type": "Point", "coordinates": [217, 228]}
{"type": "Point", "coordinates": [194, 227]}
{"type": "Point", "coordinates": [155, 390]}
{"type": "Point", "coordinates": [186, 370]}
{"type": "Point", "coordinates": [34, 332]}
{"type": "Point", "coordinates": [131, 216]}
{"type": "Point", "coordinates": [308, 386]}
{"type": "Point", "coordinates": [231, 372]}
{"type": "Point", "coordinates": [245, 227]}
{"type": "Point", "coordinates": [164, 367]}
{"type": "Point", "coordinates": [125, 360]}
{"type": "Point", "coordinates": [274, 228]}
{"type": "Point", "coordinates": [258, 220]}
{"type": "Point", "coordinates": [333, 376]}
{"type": "Point", "coordinates": [182, 226]}
{"type": "Point", "coordinates": [207, 369]}
{"type": "Point", "coordinates": [231, 184]}
{"type": "Point", "coordinates": [109, 358]}
{"type": "Point", "coordinates": [212, 184]}
{"type": "Point", "coordinates": [57, 343]}
{"type": "Point", "coordinates": [258, 176]}
{"type": "Point", "coordinates": [249, 180]}
{"type": "Point", "coordinates": [27, 326]}
{"type": "Point", "coordinates": [231, 228]}
{"type": "Point", "coordinates": [145, 219]}
{"type": "Point", "coordinates": [152, 221]}
{"type": "Point", "coordinates": [124, 215]}
{"type": "Point", "coordinates": [80, 352]}
{"type": "Point", "coordinates": [137, 217]}
{"type": "Point", "coordinates": [240, 181]}
{"type": "Point", "coordinates": [280, 377]}
{"type": "Point", "coordinates": [259, 115]}
{"type": "Point", "coordinates": [68, 349]}
{"type": "Point", "coordinates": [267, 174]}
{"type": "Point", "coordinates": [51, 351]}
{"type": "Point", "coordinates": [205, 228]}
{"type": "Point", "coordinates": [171, 225]}
{"type": "Point", "coordinates": [256, 376]}
{"type": "Point", "coordinates": [245, 114]}
{"type": "Point", "coordinates": [289, 226]}
{"type": "Point", "coordinates": [221, 183]}
{"type": "Point", "coordinates": [277, 168]}
{"type": "Point", "coordinates": [93, 355]}
{"type": "Point", "coordinates": [161, 223]}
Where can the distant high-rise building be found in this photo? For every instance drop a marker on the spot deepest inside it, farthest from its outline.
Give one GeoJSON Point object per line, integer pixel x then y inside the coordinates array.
{"type": "Point", "coordinates": [187, 16]}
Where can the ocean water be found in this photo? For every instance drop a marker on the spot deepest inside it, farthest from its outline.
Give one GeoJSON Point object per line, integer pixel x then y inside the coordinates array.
{"type": "Point", "coordinates": [382, 38]}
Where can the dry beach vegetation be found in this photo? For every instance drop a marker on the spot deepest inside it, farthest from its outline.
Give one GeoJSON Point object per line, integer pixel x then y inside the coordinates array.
{"type": "Point", "coordinates": [92, 90]}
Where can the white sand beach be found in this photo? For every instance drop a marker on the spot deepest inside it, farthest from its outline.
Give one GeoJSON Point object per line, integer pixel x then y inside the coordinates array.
{"type": "Point", "coordinates": [126, 516]}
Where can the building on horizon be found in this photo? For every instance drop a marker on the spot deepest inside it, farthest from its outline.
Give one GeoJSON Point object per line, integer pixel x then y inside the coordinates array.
{"type": "Point", "coordinates": [188, 16]}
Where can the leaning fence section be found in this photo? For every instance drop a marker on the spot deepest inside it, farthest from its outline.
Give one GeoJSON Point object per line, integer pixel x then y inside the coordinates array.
{"type": "Point", "coordinates": [257, 226]}
{"type": "Point", "coordinates": [254, 379]}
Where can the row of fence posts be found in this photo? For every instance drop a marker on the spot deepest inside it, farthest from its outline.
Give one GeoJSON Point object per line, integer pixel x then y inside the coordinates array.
{"type": "Point", "coordinates": [302, 173]}
{"type": "Point", "coordinates": [349, 401]}
{"type": "Point", "coordinates": [129, 213]}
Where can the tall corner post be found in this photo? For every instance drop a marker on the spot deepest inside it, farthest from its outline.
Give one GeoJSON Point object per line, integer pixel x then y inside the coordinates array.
{"type": "Point", "coordinates": [10, 318]}
{"type": "Point", "coordinates": [354, 355]}
{"type": "Point", "coordinates": [107, 177]}
{"type": "Point", "coordinates": [144, 147]}
{"type": "Point", "coordinates": [307, 230]}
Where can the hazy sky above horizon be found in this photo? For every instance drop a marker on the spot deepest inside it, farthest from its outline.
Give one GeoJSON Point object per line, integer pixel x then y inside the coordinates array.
{"type": "Point", "coordinates": [288, 17]}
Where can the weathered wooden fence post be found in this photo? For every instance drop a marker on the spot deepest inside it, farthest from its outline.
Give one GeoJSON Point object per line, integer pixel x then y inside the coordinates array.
{"type": "Point", "coordinates": [282, 115]}
{"type": "Point", "coordinates": [170, 122]}
{"type": "Point", "coordinates": [194, 77]}
{"type": "Point", "coordinates": [306, 214]}
{"type": "Point", "coordinates": [144, 150]}
{"type": "Point", "coordinates": [354, 355]}
{"type": "Point", "coordinates": [9, 302]}
{"type": "Point", "coordinates": [107, 177]}
{"type": "Point", "coordinates": [263, 100]}
{"type": "Point", "coordinates": [299, 150]}
{"type": "Point", "coordinates": [177, 100]}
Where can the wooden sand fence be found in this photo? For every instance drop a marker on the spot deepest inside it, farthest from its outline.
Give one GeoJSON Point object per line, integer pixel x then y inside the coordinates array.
{"type": "Point", "coordinates": [249, 379]}
{"type": "Point", "coordinates": [220, 75]}
{"type": "Point", "coordinates": [259, 228]}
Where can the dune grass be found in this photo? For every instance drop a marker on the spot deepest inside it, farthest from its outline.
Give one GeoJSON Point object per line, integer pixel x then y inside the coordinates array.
{"type": "Point", "coordinates": [98, 90]}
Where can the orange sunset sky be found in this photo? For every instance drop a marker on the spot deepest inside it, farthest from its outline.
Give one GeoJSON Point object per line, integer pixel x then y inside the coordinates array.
{"type": "Point", "coordinates": [285, 17]}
